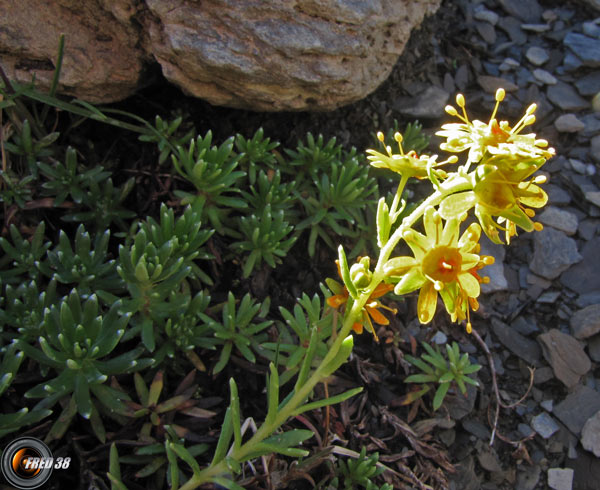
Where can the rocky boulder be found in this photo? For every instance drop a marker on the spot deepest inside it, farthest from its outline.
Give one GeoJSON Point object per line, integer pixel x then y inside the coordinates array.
{"type": "Point", "coordinates": [102, 61]}
{"type": "Point", "coordinates": [268, 55]}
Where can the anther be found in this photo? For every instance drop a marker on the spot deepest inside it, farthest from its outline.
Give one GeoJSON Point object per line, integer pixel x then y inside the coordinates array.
{"type": "Point", "coordinates": [500, 93]}
{"type": "Point", "coordinates": [538, 226]}
{"type": "Point", "coordinates": [398, 137]}
{"type": "Point", "coordinates": [380, 136]}
{"type": "Point", "coordinates": [460, 100]}
{"type": "Point", "coordinates": [531, 109]}
{"type": "Point", "coordinates": [540, 179]}
{"type": "Point", "coordinates": [529, 212]}
{"type": "Point", "coordinates": [446, 265]}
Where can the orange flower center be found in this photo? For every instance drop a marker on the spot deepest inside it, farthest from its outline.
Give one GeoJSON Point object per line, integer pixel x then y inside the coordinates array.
{"type": "Point", "coordinates": [442, 264]}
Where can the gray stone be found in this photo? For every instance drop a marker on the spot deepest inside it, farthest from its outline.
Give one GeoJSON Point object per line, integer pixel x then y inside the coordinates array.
{"type": "Point", "coordinates": [495, 271]}
{"type": "Point", "coordinates": [488, 459]}
{"type": "Point", "coordinates": [592, 124]}
{"type": "Point", "coordinates": [593, 197]}
{"type": "Point", "coordinates": [522, 347]}
{"type": "Point", "coordinates": [590, 435]}
{"type": "Point", "coordinates": [481, 13]}
{"type": "Point", "coordinates": [595, 148]}
{"type": "Point", "coordinates": [512, 27]}
{"type": "Point", "coordinates": [486, 31]}
{"type": "Point", "coordinates": [459, 406]}
{"type": "Point", "coordinates": [491, 84]}
{"type": "Point", "coordinates": [586, 322]}
{"type": "Point", "coordinates": [544, 425]}
{"type": "Point", "coordinates": [476, 428]}
{"type": "Point", "coordinates": [547, 405]}
{"type": "Point", "coordinates": [586, 48]}
{"type": "Point", "coordinates": [536, 27]}
{"type": "Point", "coordinates": [548, 297]}
{"type": "Point", "coordinates": [542, 375]}
{"type": "Point", "coordinates": [536, 55]}
{"type": "Point", "coordinates": [564, 96]}
{"type": "Point", "coordinates": [587, 229]}
{"type": "Point", "coordinates": [571, 62]}
{"type": "Point", "coordinates": [427, 105]}
{"type": "Point", "coordinates": [591, 29]}
{"type": "Point", "coordinates": [461, 78]}
{"type": "Point", "coordinates": [525, 430]}
{"type": "Point", "coordinates": [525, 327]}
{"type": "Point", "coordinates": [568, 123]}
{"type": "Point", "coordinates": [527, 11]}
{"type": "Point", "coordinates": [595, 4]}
{"type": "Point", "coordinates": [577, 408]}
{"type": "Point", "coordinates": [578, 166]}
{"type": "Point", "coordinates": [528, 477]}
{"type": "Point", "coordinates": [560, 478]}
{"type": "Point", "coordinates": [554, 253]}
{"type": "Point", "coordinates": [566, 356]}
{"type": "Point", "coordinates": [559, 219]}
{"type": "Point", "coordinates": [557, 195]}
{"type": "Point", "coordinates": [588, 84]}
{"type": "Point", "coordinates": [544, 76]}
{"type": "Point", "coordinates": [439, 338]}
{"type": "Point", "coordinates": [594, 348]}
{"type": "Point", "coordinates": [585, 276]}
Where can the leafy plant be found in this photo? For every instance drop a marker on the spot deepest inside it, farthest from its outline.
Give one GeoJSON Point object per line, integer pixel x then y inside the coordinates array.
{"type": "Point", "coordinates": [161, 414]}
{"type": "Point", "coordinates": [293, 342]}
{"type": "Point", "coordinates": [314, 157]}
{"type": "Point", "coordinates": [436, 369]}
{"type": "Point", "coordinates": [212, 171]}
{"type": "Point", "coordinates": [23, 309]}
{"type": "Point", "coordinates": [105, 204]}
{"type": "Point", "coordinates": [358, 472]}
{"type": "Point", "coordinates": [337, 205]}
{"type": "Point", "coordinates": [31, 149]}
{"type": "Point", "coordinates": [266, 237]}
{"type": "Point", "coordinates": [87, 268]}
{"type": "Point", "coordinates": [167, 137]}
{"type": "Point", "coordinates": [159, 460]}
{"type": "Point", "coordinates": [77, 342]}
{"type": "Point", "coordinates": [237, 328]}
{"type": "Point", "coordinates": [12, 358]}
{"type": "Point", "coordinates": [68, 179]}
{"type": "Point", "coordinates": [27, 257]}
{"type": "Point", "coordinates": [256, 153]}
{"type": "Point", "coordinates": [268, 189]}
{"type": "Point", "coordinates": [15, 190]}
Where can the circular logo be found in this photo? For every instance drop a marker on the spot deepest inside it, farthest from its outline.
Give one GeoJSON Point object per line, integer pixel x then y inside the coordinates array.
{"type": "Point", "coordinates": [27, 463]}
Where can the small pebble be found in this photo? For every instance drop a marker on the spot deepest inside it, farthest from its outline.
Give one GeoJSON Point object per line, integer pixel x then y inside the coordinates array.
{"type": "Point", "coordinates": [544, 76]}
{"type": "Point", "coordinates": [537, 56]}
{"type": "Point", "coordinates": [568, 123]}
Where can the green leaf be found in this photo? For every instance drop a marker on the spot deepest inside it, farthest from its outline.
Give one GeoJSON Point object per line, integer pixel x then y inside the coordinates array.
{"type": "Point", "coordinates": [440, 394]}
{"type": "Point", "coordinates": [224, 438]}
{"type": "Point", "coordinates": [328, 401]}
{"type": "Point", "coordinates": [341, 357]}
{"type": "Point", "coordinates": [346, 273]}
{"type": "Point", "coordinates": [234, 403]}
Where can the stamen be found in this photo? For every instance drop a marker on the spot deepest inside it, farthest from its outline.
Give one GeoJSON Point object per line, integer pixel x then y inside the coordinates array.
{"type": "Point", "coordinates": [500, 93]}
{"type": "Point", "coordinates": [538, 226]}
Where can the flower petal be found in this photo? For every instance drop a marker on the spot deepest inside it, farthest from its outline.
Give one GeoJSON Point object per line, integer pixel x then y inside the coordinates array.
{"type": "Point", "coordinates": [469, 284]}
{"type": "Point", "coordinates": [427, 302]}
{"type": "Point", "coordinates": [398, 266]}
{"type": "Point", "coordinates": [457, 204]}
{"type": "Point", "coordinates": [412, 280]}
{"type": "Point", "coordinates": [377, 316]}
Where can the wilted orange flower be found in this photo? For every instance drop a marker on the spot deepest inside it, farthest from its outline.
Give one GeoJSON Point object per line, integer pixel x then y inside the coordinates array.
{"type": "Point", "coordinates": [370, 311]}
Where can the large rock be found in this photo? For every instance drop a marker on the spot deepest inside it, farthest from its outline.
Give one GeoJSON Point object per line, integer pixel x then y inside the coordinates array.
{"type": "Point", "coordinates": [102, 62]}
{"type": "Point", "coordinates": [255, 54]}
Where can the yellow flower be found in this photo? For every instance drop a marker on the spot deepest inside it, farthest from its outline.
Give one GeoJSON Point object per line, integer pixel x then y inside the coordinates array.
{"type": "Point", "coordinates": [498, 190]}
{"type": "Point", "coordinates": [443, 263]}
{"type": "Point", "coordinates": [497, 138]}
{"type": "Point", "coordinates": [407, 164]}
{"type": "Point", "coordinates": [370, 311]}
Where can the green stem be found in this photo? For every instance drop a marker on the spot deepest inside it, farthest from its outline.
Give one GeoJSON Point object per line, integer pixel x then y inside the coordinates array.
{"type": "Point", "coordinates": [353, 314]}
{"type": "Point", "coordinates": [397, 198]}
